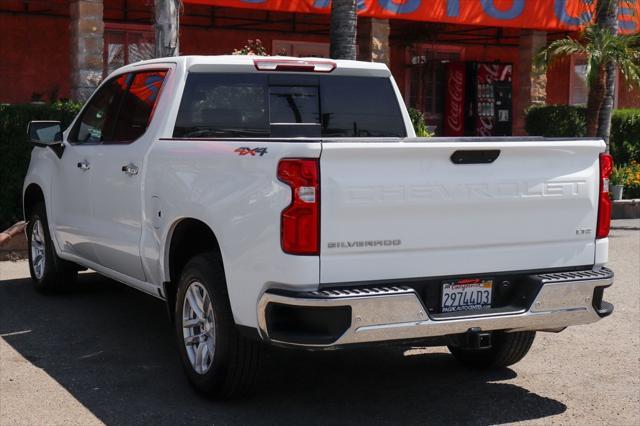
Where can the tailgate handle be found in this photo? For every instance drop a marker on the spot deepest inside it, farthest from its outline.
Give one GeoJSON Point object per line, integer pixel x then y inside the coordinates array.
{"type": "Point", "coordinates": [475, 156]}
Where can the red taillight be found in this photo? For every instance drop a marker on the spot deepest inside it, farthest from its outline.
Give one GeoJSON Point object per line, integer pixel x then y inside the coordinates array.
{"type": "Point", "coordinates": [604, 203]}
{"type": "Point", "coordinates": [300, 221]}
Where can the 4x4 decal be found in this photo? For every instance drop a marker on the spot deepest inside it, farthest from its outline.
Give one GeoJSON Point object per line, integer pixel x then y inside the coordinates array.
{"type": "Point", "coordinates": [251, 151]}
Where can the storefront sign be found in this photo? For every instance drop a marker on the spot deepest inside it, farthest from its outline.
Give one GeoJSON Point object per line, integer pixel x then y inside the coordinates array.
{"type": "Point", "coordinates": [532, 14]}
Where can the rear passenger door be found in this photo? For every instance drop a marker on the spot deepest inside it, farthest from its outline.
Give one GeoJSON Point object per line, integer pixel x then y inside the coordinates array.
{"type": "Point", "coordinates": [117, 169]}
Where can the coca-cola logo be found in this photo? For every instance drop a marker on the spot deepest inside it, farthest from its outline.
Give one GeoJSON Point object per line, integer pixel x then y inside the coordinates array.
{"type": "Point", "coordinates": [456, 93]}
{"type": "Point", "coordinates": [485, 126]}
{"type": "Point", "coordinates": [487, 73]}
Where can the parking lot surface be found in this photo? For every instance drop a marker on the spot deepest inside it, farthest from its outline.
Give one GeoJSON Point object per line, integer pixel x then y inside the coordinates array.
{"type": "Point", "coordinates": [105, 354]}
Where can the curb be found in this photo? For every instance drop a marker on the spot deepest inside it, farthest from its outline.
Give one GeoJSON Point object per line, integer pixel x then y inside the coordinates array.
{"type": "Point", "coordinates": [625, 209]}
{"type": "Point", "coordinates": [13, 242]}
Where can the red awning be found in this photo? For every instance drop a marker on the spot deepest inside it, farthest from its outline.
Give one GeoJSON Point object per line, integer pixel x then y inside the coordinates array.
{"type": "Point", "coordinates": [531, 14]}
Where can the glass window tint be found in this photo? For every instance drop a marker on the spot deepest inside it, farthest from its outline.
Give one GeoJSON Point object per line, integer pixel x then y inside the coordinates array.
{"type": "Point", "coordinates": [137, 105]}
{"type": "Point", "coordinates": [223, 105]}
{"type": "Point", "coordinates": [98, 118]}
{"type": "Point", "coordinates": [360, 107]}
{"type": "Point", "coordinates": [245, 105]}
{"type": "Point", "coordinates": [292, 104]}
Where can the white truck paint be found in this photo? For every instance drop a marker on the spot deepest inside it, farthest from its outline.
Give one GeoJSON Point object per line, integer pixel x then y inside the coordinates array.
{"type": "Point", "coordinates": [392, 210]}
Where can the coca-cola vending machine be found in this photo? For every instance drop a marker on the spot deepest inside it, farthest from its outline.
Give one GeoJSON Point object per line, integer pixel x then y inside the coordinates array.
{"type": "Point", "coordinates": [489, 112]}
{"type": "Point", "coordinates": [478, 99]}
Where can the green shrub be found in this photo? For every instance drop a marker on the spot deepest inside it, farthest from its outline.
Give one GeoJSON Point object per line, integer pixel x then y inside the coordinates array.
{"type": "Point", "coordinates": [419, 123]}
{"type": "Point", "coordinates": [569, 121]}
{"type": "Point", "coordinates": [627, 175]}
{"type": "Point", "coordinates": [559, 121]}
{"type": "Point", "coordinates": [15, 151]}
{"type": "Point", "coordinates": [625, 136]}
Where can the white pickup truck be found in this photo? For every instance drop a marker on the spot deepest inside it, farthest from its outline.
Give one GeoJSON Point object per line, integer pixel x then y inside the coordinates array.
{"type": "Point", "coordinates": [288, 201]}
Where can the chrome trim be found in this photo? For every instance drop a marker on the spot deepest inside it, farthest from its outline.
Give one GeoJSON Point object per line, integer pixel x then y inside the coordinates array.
{"type": "Point", "coordinates": [397, 313]}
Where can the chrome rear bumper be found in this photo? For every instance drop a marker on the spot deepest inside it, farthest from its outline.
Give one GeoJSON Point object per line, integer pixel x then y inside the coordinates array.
{"type": "Point", "coordinates": [397, 313]}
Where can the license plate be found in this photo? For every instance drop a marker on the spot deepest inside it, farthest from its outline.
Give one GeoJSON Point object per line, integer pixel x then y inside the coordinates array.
{"type": "Point", "coordinates": [466, 294]}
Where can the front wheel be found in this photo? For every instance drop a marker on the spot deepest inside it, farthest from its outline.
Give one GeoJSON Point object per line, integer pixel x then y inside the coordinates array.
{"type": "Point", "coordinates": [48, 271]}
{"type": "Point", "coordinates": [506, 349]}
{"type": "Point", "coordinates": [217, 359]}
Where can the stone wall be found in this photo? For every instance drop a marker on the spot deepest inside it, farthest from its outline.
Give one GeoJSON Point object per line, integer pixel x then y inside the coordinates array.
{"type": "Point", "coordinates": [373, 40]}
{"type": "Point", "coordinates": [86, 48]}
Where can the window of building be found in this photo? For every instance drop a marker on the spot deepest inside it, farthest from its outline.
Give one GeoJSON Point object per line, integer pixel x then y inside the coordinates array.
{"type": "Point", "coordinates": [426, 80]}
{"type": "Point", "coordinates": [579, 89]}
{"type": "Point", "coordinates": [579, 86]}
{"type": "Point", "coordinates": [301, 49]}
{"type": "Point", "coordinates": [125, 44]}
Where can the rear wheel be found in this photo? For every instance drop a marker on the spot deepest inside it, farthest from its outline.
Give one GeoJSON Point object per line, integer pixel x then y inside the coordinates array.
{"type": "Point", "coordinates": [48, 271]}
{"type": "Point", "coordinates": [217, 359]}
{"type": "Point", "coordinates": [506, 349]}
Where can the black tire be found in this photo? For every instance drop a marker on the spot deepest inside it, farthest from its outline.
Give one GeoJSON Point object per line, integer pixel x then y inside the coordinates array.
{"type": "Point", "coordinates": [54, 274]}
{"type": "Point", "coordinates": [236, 359]}
{"type": "Point", "coordinates": [506, 349]}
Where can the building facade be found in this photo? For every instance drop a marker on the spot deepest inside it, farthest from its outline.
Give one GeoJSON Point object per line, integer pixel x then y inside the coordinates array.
{"type": "Point", "coordinates": [457, 60]}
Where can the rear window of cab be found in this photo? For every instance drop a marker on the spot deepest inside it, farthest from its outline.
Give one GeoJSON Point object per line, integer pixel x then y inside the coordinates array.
{"type": "Point", "coordinates": [219, 105]}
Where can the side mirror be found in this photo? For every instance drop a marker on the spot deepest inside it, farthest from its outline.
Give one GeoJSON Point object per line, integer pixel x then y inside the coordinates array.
{"type": "Point", "coordinates": [46, 134]}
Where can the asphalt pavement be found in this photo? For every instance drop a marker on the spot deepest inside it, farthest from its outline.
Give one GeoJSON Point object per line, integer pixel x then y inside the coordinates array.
{"type": "Point", "coordinates": [105, 354]}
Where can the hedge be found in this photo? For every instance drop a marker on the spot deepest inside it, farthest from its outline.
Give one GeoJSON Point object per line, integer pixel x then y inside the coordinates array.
{"type": "Point", "coordinates": [569, 121]}
{"type": "Point", "coordinates": [625, 136]}
{"type": "Point", "coordinates": [15, 151]}
{"type": "Point", "coordinates": [556, 121]}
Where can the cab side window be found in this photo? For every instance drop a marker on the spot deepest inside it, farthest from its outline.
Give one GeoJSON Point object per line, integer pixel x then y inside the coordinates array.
{"type": "Point", "coordinates": [120, 111]}
{"type": "Point", "coordinates": [98, 119]}
{"type": "Point", "coordinates": [137, 106]}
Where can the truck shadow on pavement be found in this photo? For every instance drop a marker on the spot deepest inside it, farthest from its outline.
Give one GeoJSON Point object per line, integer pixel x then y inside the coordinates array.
{"type": "Point", "coordinates": [113, 349]}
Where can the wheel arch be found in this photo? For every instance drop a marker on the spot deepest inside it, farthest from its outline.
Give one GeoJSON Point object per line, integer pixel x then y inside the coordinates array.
{"type": "Point", "coordinates": [33, 195]}
{"type": "Point", "coordinates": [187, 238]}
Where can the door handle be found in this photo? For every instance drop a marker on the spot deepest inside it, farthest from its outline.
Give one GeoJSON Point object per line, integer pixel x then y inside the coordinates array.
{"type": "Point", "coordinates": [84, 165]}
{"type": "Point", "coordinates": [130, 169]}
{"type": "Point", "coordinates": [475, 156]}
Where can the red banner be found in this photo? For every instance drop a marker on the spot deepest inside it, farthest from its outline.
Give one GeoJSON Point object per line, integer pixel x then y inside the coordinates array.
{"type": "Point", "coordinates": [532, 14]}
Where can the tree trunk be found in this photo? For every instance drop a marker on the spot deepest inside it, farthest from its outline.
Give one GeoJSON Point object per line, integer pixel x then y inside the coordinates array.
{"type": "Point", "coordinates": [344, 23]}
{"type": "Point", "coordinates": [596, 94]}
{"type": "Point", "coordinates": [167, 26]}
{"type": "Point", "coordinates": [607, 18]}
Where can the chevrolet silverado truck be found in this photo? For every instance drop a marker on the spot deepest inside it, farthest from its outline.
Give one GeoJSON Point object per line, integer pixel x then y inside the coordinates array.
{"type": "Point", "coordinates": [288, 201]}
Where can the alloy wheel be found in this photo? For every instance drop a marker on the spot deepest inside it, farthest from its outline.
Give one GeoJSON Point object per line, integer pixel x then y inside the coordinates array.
{"type": "Point", "coordinates": [198, 327]}
{"type": "Point", "coordinates": [38, 252]}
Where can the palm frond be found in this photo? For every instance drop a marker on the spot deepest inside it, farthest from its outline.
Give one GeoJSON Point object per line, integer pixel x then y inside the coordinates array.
{"type": "Point", "coordinates": [600, 47]}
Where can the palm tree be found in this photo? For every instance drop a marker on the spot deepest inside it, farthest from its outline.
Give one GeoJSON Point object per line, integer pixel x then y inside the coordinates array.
{"type": "Point", "coordinates": [344, 23]}
{"type": "Point", "coordinates": [607, 19]}
{"type": "Point", "coordinates": [600, 47]}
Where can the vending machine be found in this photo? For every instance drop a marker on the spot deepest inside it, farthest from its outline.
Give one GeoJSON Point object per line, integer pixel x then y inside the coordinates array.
{"type": "Point", "coordinates": [486, 114]}
{"type": "Point", "coordinates": [478, 99]}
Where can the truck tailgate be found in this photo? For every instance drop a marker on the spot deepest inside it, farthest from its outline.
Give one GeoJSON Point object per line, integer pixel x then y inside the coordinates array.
{"type": "Point", "coordinates": [393, 210]}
